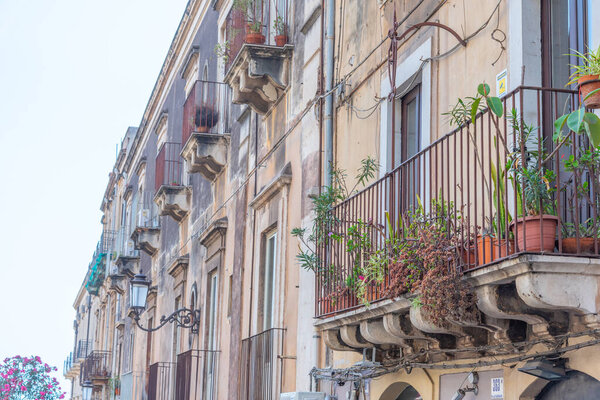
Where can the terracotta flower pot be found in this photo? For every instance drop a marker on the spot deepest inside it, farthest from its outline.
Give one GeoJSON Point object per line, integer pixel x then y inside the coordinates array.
{"type": "Point", "coordinates": [255, 37]}
{"type": "Point", "coordinates": [586, 88]}
{"type": "Point", "coordinates": [490, 249]}
{"type": "Point", "coordinates": [281, 40]}
{"type": "Point", "coordinates": [586, 245]}
{"type": "Point", "coordinates": [528, 231]}
{"type": "Point", "coordinates": [467, 254]}
{"type": "Point", "coordinates": [202, 129]}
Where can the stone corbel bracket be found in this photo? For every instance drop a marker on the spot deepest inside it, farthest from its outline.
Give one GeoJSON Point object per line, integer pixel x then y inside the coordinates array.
{"type": "Point", "coordinates": [173, 201]}
{"type": "Point", "coordinates": [259, 75]}
{"type": "Point", "coordinates": [206, 153]}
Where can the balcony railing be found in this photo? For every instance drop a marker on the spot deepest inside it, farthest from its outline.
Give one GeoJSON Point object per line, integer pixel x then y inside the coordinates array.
{"type": "Point", "coordinates": [68, 364]}
{"type": "Point", "coordinates": [97, 366]}
{"type": "Point", "coordinates": [207, 109]}
{"type": "Point", "coordinates": [261, 14]}
{"type": "Point", "coordinates": [467, 171]}
{"type": "Point", "coordinates": [195, 377]}
{"type": "Point", "coordinates": [169, 166]}
{"type": "Point", "coordinates": [261, 365]}
{"type": "Point", "coordinates": [161, 381]}
{"type": "Point", "coordinates": [82, 349]}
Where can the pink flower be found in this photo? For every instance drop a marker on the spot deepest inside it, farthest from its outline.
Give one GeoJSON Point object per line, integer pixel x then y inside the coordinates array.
{"type": "Point", "coordinates": [362, 278]}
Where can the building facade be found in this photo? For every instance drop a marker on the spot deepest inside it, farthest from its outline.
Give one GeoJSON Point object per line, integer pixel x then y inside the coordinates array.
{"type": "Point", "coordinates": [230, 198]}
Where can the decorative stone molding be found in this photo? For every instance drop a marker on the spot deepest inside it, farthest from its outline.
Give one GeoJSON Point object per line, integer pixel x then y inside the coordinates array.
{"type": "Point", "coordinates": [530, 296]}
{"type": "Point", "coordinates": [206, 153]}
{"type": "Point", "coordinates": [259, 75]}
{"type": "Point", "coordinates": [283, 178]}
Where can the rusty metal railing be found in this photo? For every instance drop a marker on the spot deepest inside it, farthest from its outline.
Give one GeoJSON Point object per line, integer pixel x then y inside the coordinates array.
{"type": "Point", "coordinates": [97, 366]}
{"type": "Point", "coordinates": [266, 18]}
{"type": "Point", "coordinates": [261, 365]}
{"type": "Point", "coordinates": [207, 109]}
{"type": "Point", "coordinates": [468, 170]}
{"type": "Point", "coordinates": [196, 375]}
{"type": "Point", "coordinates": [169, 165]}
{"type": "Point", "coordinates": [161, 381]}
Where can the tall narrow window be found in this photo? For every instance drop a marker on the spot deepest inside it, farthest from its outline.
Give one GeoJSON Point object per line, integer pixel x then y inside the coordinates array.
{"type": "Point", "coordinates": [211, 337]}
{"type": "Point", "coordinates": [268, 281]}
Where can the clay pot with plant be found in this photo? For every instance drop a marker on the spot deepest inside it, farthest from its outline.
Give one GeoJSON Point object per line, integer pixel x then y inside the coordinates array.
{"type": "Point", "coordinates": [206, 118]}
{"type": "Point", "coordinates": [587, 77]}
{"type": "Point", "coordinates": [584, 185]}
{"type": "Point", "coordinates": [251, 10]}
{"type": "Point", "coordinates": [281, 37]}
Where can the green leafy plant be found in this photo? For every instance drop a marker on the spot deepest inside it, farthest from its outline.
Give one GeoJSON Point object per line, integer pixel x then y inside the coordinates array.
{"type": "Point", "coordinates": [580, 122]}
{"type": "Point", "coordinates": [279, 26]}
{"type": "Point", "coordinates": [251, 10]}
{"type": "Point", "coordinates": [222, 50]}
{"type": "Point", "coordinates": [590, 65]}
{"type": "Point", "coordinates": [589, 228]}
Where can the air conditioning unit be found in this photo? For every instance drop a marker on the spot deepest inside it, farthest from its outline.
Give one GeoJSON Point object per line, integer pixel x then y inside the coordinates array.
{"type": "Point", "coordinates": [302, 396]}
{"type": "Point", "coordinates": [130, 247]}
{"type": "Point", "coordinates": [143, 217]}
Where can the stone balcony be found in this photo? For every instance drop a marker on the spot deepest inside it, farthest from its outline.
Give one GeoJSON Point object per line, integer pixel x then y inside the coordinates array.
{"type": "Point", "coordinates": [526, 297]}
{"type": "Point", "coordinates": [146, 239]}
{"type": "Point", "coordinates": [173, 200]}
{"type": "Point", "coordinates": [206, 154]}
{"type": "Point", "coordinates": [259, 75]}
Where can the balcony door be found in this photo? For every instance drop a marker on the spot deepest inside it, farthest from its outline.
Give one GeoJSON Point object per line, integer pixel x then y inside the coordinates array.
{"type": "Point", "coordinates": [267, 281]}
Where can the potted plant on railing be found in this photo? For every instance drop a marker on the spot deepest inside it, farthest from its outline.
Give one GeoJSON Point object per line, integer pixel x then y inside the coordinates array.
{"type": "Point", "coordinates": [206, 118]}
{"type": "Point", "coordinates": [587, 77]}
{"type": "Point", "coordinates": [281, 37]}
{"type": "Point", "coordinates": [254, 24]}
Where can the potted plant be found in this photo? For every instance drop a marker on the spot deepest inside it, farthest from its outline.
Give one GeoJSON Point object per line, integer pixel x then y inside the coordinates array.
{"type": "Point", "coordinates": [587, 77]}
{"type": "Point", "coordinates": [280, 27]}
{"type": "Point", "coordinates": [206, 117]}
{"type": "Point", "coordinates": [254, 24]}
{"type": "Point", "coordinates": [587, 233]}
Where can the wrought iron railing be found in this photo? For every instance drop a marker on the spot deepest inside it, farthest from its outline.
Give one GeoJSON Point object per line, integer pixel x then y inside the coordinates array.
{"type": "Point", "coordinates": [169, 166]}
{"type": "Point", "coordinates": [68, 364]}
{"type": "Point", "coordinates": [468, 171]}
{"type": "Point", "coordinates": [161, 385]}
{"type": "Point", "coordinates": [266, 18]}
{"type": "Point", "coordinates": [82, 349]}
{"type": "Point", "coordinates": [196, 375]}
{"type": "Point", "coordinates": [97, 366]}
{"type": "Point", "coordinates": [207, 109]}
{"type": "Point", "coordinates": [261, 365]}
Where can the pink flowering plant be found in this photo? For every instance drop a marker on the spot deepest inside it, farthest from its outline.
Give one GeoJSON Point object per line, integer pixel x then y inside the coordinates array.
{"type": "Point", "coordinates": [25, 378]}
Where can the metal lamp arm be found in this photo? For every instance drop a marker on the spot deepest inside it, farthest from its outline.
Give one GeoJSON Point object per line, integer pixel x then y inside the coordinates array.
{"type": "Point", "coordinates": [183, 317]}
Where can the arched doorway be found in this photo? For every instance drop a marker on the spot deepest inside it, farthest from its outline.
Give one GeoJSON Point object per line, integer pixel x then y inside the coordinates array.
{"type": "Point", "coordinates": [577, 386]}
{"type": "Point", "coordinates": [400, 391]}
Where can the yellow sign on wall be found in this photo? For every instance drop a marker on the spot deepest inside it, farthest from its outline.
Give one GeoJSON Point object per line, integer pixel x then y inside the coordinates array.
{"type": "Point", "coordinates": [501, 83]}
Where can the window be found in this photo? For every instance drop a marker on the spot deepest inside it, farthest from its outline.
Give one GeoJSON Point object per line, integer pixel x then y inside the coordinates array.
{"type": "Point", "coordinates": [267, 292]}
{"type": "Point", "coordinates": [565, 26]}
{"type": "Point", "coordinates": [211, 337]}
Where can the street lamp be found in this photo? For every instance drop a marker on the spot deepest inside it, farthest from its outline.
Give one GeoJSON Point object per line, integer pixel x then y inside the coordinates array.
{"type": "Point", "coordinates": [183, 317]}
{"type": "Point", "coordinates": [87, 388]}
{"type": "Point", "coordinates": [550, 370]}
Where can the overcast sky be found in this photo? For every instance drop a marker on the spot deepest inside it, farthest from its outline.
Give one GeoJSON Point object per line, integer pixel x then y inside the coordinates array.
{"type": "Point", "coordinates": [74, 74]}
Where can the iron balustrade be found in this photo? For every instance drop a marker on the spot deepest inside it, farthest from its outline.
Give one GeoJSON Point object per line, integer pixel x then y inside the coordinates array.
{"type": "Point", "coordinates": [261, 12]}
{"type": "Point", "coordinates": [68, 364]}
{"type": "Point", "coordinates": [195, 378]}
{"type": "Point", "coordinates": [169, 165]}
{"type": "Point", "coordinates": [160, 381]}
{"type": "Point", "coordinates": [466, 170]}
{"type": "Point", "coordinates": [96, 366]}
{"type": "Point", "coordinates": [82, 349]}
{"type": "Point", "coordinates": [207, 109]}
{"type": "Point", "coordinates": [261, 365]}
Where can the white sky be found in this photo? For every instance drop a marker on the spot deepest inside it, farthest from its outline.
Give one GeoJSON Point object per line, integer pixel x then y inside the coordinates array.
{"type": "Point", "coordinates": [74, 74]}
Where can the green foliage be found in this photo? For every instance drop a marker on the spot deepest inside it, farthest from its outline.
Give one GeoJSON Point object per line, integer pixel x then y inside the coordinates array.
{"type": "Point", "coordinates": [580, 122]}
{"type": "Point", "coordinates": [590, 65]}
{"type": "Point", "coordinates": [279, 26]}
{"type": "Point", "coordinates": [589, 228]}
{"type": "Point", "coordinates": [222, 50]}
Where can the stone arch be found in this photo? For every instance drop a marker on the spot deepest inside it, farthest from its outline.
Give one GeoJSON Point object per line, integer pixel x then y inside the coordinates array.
{"type": "Point", "coordinates": [577, 386]}
{"type": "Point", "coordinates": [400, 391]}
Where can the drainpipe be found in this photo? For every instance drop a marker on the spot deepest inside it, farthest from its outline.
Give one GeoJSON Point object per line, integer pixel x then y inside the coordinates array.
{"type": "Point", "coordinates": [330, 9]}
